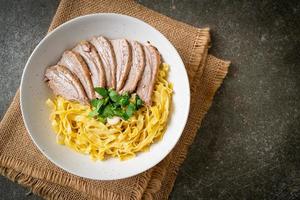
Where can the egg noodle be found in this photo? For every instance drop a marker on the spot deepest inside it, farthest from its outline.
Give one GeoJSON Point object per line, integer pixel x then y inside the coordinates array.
{"type": "Point", "coordinates": [87, 135]}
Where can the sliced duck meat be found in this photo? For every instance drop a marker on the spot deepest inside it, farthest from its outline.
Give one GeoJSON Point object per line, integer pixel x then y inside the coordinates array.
{"type": "Point", "coordinates": [146, 85]}
{"type": "Point", "coordinates": [91, 57]}
{"type": "Point", "coordinates": [64, 83]}
{"type": "Point", "coordinates": [137, 67]}
{"type": "Point", "coordinates": [123, 54]}
{"type": "Point", "coordinates": [107, 55]}
{"type": "Point", "coordinates": [75, 63]}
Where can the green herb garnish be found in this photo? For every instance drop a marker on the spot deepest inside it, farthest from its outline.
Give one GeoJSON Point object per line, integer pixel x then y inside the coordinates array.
{"type": "Point", "coordinates": [138, 102]}
{"type": "Point", "coordinates": [113, 104]}
{"type": "Point", "coordinates": [102, 91]}
{"type": "Point", "coordinates": [113, 95]}
{"type": "Point", "coordinates": [131, 108]}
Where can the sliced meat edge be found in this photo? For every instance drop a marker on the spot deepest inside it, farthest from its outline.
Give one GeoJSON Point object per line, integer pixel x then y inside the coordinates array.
{"type": "Point", "coordinates": [75, 63]}
{"type": "Point", "coordinates": [63, 83]}
{"type": "Point", "coordinates": [137, 67]}
{"type": "Point", "coordinates": [146, 85]}
{"type": "Point", "coordinates": [91, 57]}
{"type": "Point", "coordinates": [123, 55]}
{"type": "Point", "coordinates": [107, 55]}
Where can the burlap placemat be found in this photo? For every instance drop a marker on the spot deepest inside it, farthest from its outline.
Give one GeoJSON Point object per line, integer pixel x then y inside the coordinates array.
{"type": "Point", "coordinates": [20, 160]}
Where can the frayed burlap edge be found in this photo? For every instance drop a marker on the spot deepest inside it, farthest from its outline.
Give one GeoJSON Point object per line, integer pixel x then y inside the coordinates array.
{"type": "Point", "coordinates": [39, 187]}
{"type": "Point", "coordinates": [29, 176]}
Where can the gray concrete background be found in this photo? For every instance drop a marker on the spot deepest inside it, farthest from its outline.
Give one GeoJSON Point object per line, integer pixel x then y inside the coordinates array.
{"type": "Point", "coordinates": [249, 144]}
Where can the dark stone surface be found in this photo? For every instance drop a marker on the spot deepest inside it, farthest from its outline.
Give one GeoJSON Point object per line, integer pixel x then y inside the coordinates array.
{"type": "Point", "coordinates": [249, 144]}
{"type": "Point", "coordinates": [22, 25]}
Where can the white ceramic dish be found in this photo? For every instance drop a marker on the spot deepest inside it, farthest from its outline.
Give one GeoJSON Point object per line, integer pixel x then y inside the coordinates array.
{"type": "Point", "coordinates": [34, 93]}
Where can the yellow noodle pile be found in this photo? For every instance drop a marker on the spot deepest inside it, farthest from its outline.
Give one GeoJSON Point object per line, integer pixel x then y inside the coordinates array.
{"type": "Point", "coordinates": [87, 135]}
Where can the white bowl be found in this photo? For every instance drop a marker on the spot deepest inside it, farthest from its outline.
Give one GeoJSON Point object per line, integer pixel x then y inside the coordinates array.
{"type": "Point", "coordinates": [34, 93]}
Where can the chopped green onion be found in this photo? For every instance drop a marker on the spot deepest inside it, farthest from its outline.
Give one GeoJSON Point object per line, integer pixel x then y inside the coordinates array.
{"type": "Point", "coordinates": [102, 91]}
{"type": "Point", "coordinates": [112, 104]}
